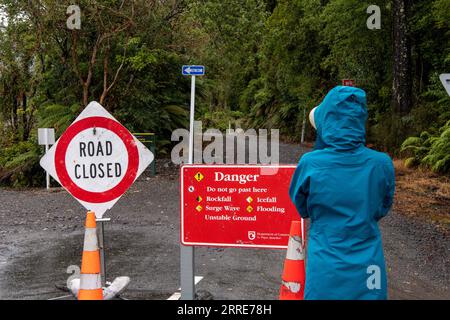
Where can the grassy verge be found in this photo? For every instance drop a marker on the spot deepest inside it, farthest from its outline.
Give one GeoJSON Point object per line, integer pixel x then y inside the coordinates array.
{"type": "Point", "coordinates": [422, 194]}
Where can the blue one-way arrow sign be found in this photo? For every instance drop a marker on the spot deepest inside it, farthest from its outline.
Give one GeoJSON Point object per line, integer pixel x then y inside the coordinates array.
{"type": "Point", "coordinates": [193, 70]}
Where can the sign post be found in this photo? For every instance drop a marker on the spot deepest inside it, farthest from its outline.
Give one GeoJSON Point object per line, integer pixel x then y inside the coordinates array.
{"type": "Point", "coordinates": [46, 136]}
{"type": "Point", "coordinates": [187, 253]}
{"type": "Point", "coordinates": [101, 246]}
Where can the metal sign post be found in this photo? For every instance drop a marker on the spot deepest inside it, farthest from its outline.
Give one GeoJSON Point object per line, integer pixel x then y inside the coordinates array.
{"type": "Point", "coordinates": [46, 136]}
{"type": "Point", "coordinates": [187, 253]}
{"type": "Point", "coordinates": [47, 176]}
{"type": "Point", "coordinates": [302, 140]}
{"type": "Point", "coordinates": [101, 246]}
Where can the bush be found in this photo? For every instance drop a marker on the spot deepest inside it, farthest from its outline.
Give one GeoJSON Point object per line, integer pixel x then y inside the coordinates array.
{"type": "Point", "coordinates": [57, 116]}
{"type": "Point", "coordinates": [429, 150]}
{"type": "Point", "coordinates": [19, 165]}
{"type": "Point", "coordinates": [221, 119]}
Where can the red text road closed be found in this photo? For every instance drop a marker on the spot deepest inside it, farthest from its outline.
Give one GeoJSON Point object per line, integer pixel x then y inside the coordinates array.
{"type": "Point", "coordinates": [236, 206]}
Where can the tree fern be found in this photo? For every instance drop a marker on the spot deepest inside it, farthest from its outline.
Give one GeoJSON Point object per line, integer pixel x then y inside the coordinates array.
{"type": "Point", "coordinates": [430, 151]}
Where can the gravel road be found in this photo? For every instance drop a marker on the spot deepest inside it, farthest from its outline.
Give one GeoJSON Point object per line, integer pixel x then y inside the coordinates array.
{"type": "Point", "coordinates": [41, 234]}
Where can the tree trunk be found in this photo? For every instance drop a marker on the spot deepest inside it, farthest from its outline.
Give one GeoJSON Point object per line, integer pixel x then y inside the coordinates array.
{"type": "Point", "coordinates": [401, 87]}
{"type": "Point", "coordinates": [85, 95]}
{"type": "Point", "coordinates": [14, 120]}
{"type": "Point", "coordinates": [25, 118]}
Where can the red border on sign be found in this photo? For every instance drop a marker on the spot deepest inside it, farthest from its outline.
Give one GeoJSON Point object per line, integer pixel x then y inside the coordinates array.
{"type": "Point", "coordinates": [60, 159]}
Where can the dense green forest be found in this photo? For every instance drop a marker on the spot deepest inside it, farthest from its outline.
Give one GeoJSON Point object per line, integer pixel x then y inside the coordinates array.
{"type": "Point", "coordinates": [268, 63]}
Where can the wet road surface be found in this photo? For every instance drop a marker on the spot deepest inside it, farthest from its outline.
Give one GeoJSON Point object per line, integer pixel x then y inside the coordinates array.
{"type": "Point", "coordinates": [41, 234]}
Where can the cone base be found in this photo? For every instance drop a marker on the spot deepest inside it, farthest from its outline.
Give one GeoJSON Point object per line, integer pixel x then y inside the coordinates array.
{"type": "Point", "coordinates": [286, 294]}
{"type": "Point", "coordinates": [96, 294]}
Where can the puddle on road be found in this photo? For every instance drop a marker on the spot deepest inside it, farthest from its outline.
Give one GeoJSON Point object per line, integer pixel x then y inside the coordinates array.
{"type": "Point", "coordinates": [39, 265]}
{"type": "Point", "coordinates": [33, 271]}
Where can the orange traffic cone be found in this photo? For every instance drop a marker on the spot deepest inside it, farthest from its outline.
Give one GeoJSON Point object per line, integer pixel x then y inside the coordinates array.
{"type": "Point", "coordinates": [90, 279]}
{"type": "Point", "coordinates": [293, 279]}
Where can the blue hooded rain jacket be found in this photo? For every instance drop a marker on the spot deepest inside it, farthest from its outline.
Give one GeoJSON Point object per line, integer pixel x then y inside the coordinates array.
{"type": "Point", "coordinates": [345, 189]}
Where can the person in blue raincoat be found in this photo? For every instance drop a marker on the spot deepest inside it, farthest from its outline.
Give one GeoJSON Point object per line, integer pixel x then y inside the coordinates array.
{"type": "Point", "coordinates": [344, 189]}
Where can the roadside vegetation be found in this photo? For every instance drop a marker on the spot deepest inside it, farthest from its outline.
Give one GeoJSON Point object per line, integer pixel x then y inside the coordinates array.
{"type": "Point", "coordinates": [268, 63]}
{"type": "Point", "coordinates": [423, 195]}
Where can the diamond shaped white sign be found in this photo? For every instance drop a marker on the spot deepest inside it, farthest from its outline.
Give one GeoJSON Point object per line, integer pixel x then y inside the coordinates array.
{"type": "Point", "coordinates": [445, 79]}
{"type": "Point", "coordinates": [96, 159]}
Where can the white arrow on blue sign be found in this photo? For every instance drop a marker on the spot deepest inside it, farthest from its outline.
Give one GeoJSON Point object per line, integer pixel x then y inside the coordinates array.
{"type": "Point", "coordinates": [193, 70]}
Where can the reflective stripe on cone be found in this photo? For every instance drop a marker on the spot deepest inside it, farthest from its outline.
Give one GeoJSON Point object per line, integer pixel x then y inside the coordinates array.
{"type": "Point", "coordinates": [90, 281]}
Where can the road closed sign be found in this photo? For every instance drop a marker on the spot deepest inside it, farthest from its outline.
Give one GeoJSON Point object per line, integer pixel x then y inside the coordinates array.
{"type": "Point", "coordinates": [96, 159]}
{"type": "Point", "coordinates": [236, 205]}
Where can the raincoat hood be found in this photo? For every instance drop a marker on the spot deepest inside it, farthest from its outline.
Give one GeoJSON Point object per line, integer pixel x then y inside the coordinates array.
{"type": "Point", "coordinates": [341, 119]}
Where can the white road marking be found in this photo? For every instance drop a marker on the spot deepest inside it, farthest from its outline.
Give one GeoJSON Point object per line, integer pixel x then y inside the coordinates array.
{"type": "Point", "coordinates": [177, 295]}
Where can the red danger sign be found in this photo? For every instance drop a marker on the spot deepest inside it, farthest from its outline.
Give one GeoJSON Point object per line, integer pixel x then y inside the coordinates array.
{"type": "Point", "coordinates": [96, 159]}
{"type": "Point", "coordinates": [236, 205]}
